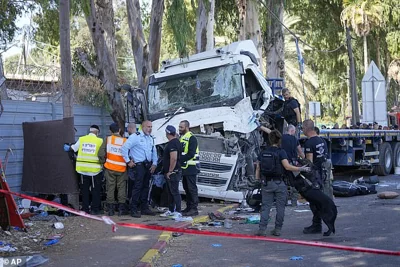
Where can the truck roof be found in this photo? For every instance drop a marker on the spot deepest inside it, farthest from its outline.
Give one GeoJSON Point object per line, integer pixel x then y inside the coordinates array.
{"type": "Point", "coordinates": [212, 58]}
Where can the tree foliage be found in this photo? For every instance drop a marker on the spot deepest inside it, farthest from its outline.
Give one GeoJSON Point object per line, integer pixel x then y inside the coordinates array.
{"type": "Point", "coordinates": [9, 12]}
{"type": "Point", "coordinates": [177, 18]}
{"type": "Point", "coordinates": [317, 23]}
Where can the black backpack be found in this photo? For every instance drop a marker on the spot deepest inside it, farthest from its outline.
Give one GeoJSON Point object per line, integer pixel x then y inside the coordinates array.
{"type": "Point", "coordinates": [270, 163]}
{"type": "Point", "coordinates": [289, 112]}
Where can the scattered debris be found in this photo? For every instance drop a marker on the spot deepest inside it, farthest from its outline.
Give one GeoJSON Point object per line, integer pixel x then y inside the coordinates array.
{"type": "Point", "coordinates": [7, 248]}
{"type": "Point", "coordinates": [183, 219]}
{"type": "Point", "coordinates": [58, 225]}
{"type": "Point", "coordinates": [301, 210]}
{"type": "Point", "coordinates": [388, 195]}
{"type": "Point", "coordinates": [216, 245]}
{"type": "Point", "coordinates": [58, 236]}
{"type": "Point", "coordinates": [296, 258]}
{"type": "Point", "coordinates": [228, 223]}
{"type": "Point", "coordinates": [51, 242]}
{"type": "Point", "coordinates": [216, 216]}
{"type": "Point", "coordinates": [177, 265]}
{"type": "Point", "coordinates": [177, 234]}
{"type": "Point", "coordinates": [245, 209]}
{"type": "Point", "coordinates": [254, 219]}
{"type": "Point", "coordinates": [215, 223]}
{"type": "Point", "coordinates": [240, 217]}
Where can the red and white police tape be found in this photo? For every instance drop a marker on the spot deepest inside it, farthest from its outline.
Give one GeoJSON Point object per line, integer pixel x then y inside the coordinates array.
{"type": "Point", "coordinates": [107, 220]}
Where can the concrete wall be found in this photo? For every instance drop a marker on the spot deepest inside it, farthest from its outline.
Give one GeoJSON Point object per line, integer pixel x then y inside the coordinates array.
{"type": "Point", "coordinates": [17, 112]}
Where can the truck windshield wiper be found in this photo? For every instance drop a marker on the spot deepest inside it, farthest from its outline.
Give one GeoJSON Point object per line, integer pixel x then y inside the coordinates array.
{"type": "Point", "coordinates": [173, 115]}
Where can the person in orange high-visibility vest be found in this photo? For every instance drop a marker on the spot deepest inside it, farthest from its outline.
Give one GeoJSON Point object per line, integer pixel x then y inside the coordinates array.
{"type": "Point", "coordinates": [114, 169]}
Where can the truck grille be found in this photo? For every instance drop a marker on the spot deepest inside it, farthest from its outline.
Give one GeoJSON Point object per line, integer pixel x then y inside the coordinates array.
{"type": "Point", "coordinates": [216, 167]}
{"type": "Point", "coordinates": [211, 181]}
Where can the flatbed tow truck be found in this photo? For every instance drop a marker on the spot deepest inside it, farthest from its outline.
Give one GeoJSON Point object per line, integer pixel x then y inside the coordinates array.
{"type": "Point", "coordinates": [378, 150]}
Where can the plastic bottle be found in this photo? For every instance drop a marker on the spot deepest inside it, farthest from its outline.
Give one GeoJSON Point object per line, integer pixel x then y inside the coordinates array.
{"type": "Point", "coordinates": [228, 223]}
{"type": "Point", "coordinates": [44, 214]}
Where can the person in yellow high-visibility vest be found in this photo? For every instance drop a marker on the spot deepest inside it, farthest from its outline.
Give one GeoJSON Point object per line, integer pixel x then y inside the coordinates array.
{"type": "Point", "coordinates": [114, 169]}
{"type": "Point", "coordinates": [190, 167]}
{"type": "Point", "coordinates": [89, 167]}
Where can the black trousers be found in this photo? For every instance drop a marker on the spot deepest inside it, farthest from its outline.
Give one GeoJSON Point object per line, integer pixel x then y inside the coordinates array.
{"type": "Point", "coordinates": [140, 191]}
{"type": "Point", "coordinates": [130, 184]}
{"type": "Point", "coordinates": [190, 187]}
{"type": "Point", "coordinates": [316, 220]}
{"type": "Point", "coordinates": [91, 184]}
{"type": "Point", "coordinates": [174, 197]}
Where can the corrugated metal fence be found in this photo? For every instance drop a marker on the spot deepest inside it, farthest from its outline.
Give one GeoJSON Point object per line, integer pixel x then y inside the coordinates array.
{"type": "Point", "coordinates": [17, 112]}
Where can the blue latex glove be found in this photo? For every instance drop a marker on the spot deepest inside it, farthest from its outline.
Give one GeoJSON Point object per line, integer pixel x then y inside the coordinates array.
{"type": "Point", "coordinates": [67, 147]}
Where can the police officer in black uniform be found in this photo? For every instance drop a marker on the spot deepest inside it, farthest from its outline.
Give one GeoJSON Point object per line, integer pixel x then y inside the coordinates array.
{"type": "Point", "coordinates": [291, 109]}
{"type": "Point", "coordinates": [316, 151]}
{"type": "Point", "coordinates": [270, 167]}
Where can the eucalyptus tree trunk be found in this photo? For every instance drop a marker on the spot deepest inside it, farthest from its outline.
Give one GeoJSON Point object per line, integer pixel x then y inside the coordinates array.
{"type": "Point", "coordinates": [355, 114]}
{"type": "Point", "coordinates": [365, 53]}
{"type": "Point", "coordinates": [253, 29]}
{"type": "Point", "coordinates": [157, 11]}
{"type": "Point", "coordinates": [378, 52]}
{"type": "Point", "coordinates": [66, 65]}
{"type": "Point", "coordinates": [205, 25]}
{"type": "Point", "coordinates": [3, 89]}
{"type": "Point", "coordinates": [100, 20]}
{"type": "Point", "coordinates": [146, 55]}
{"type": "Point", "coordinates": [242, 6]}
{"type": "Point", "coordinates": [274, 41]}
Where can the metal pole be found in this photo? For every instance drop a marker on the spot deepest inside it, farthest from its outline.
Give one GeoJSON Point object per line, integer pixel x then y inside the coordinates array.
{"type": "Point", "coordinates": [373, 100]}
{"type": "Point", "coordinates": [305, 98]}
{"type": "Point", "coordinates": [315, 113]}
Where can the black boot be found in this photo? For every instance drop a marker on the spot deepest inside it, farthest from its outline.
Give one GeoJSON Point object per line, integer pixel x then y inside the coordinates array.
{"type": "Point", "coordinates": [313, 229]}
{"type": "Point", "coordinates": [110, 209]}
{"type": "Point", "coordinates": [121, 209]}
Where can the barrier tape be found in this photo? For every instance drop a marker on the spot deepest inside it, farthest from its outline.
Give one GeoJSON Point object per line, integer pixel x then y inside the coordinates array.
{"type": "Point", "coordinates": [104, 219]}
{"type": "Point", "coordinates": [107, 220]}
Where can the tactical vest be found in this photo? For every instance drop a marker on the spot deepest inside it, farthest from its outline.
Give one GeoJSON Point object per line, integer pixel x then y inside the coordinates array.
{"type": "Point", "coordinates": [185, 143]}
{"type": "Point", "coordinates": [88, 160]}
{"type": "Point", "coordinates": [115, 161]}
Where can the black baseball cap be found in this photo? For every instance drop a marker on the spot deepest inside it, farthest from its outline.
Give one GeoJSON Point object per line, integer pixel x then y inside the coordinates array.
{"type": "Point", "coordinates": [170, 130]}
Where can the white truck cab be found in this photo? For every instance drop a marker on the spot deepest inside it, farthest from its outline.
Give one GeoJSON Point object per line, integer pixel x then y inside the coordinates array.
{"type": "Point", "coordinates": [220, 92]}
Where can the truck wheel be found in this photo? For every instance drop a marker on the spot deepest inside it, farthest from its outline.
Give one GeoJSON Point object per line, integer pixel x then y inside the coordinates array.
{"type": "Point", "coordinates": [385, 160]}
{"type": "Point", "coordinates": [396, 155]}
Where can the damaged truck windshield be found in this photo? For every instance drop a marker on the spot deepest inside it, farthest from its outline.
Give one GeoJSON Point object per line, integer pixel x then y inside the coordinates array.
{"type": "Point", "coordinates": [221, 85]}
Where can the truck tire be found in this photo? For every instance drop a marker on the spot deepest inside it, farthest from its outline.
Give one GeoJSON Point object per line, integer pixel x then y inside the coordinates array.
{"type": "Point", "coordinates": [385, 160]}
{"type": "Point", "coordinates": [396, 154]}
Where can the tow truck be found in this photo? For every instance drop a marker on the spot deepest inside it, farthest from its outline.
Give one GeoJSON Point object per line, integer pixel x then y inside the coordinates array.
{"type": "Point", "coordinates": [377, 150]}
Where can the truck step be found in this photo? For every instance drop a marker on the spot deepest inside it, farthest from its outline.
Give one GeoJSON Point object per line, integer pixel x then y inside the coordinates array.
{"type": "Point", "coordinates": [371, 153]}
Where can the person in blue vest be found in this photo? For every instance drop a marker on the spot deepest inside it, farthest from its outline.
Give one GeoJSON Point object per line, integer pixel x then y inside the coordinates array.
{"type": "Point", "coordinates": [89, 167]}
{"type": "Point", "coordinates": [140, 154]}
